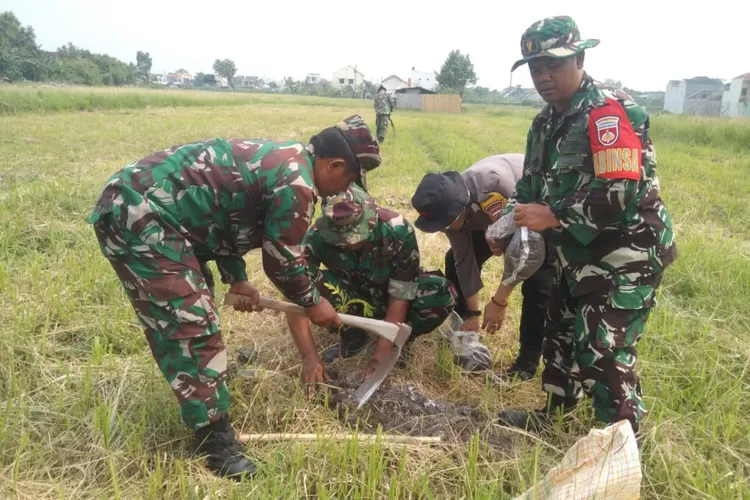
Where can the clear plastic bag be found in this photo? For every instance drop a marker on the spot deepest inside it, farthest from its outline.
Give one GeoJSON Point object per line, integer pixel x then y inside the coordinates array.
{"type": "Point", "coordinates": [468, 351]}
{"type": "Point", "coordinates": [524, 250]}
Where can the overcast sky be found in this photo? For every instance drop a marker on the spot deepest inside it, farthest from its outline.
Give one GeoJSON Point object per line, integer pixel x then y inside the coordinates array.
{"type": "Point", "coordinates": [643, 44]}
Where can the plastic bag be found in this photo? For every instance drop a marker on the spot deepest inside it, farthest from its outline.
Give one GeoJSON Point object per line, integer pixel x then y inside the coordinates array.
{"type": "Point", "coordinates": [605, 464]}
{"type": "Point", "coordinates": [468, 351]}
{"type": "Point", "coordinates": [499, 233]}
{"type": "Point", "coordinates": [524, 250]}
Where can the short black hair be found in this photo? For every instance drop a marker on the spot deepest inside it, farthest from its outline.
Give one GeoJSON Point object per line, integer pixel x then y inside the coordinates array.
{"type": "Point", "coordinates": [330, 143]}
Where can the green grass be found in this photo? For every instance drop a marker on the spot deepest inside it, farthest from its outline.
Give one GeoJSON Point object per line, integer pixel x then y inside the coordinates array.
{"type": "Point", "coordinates": [19, 99]}
{"type": "Point", "coordinates": [84, 412]}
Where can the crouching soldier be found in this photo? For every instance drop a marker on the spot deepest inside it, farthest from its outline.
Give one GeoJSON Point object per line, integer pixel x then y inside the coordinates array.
{"type": "Point", "coordinates": [371, 256]}
{"type": "Point", "coordinates": [161, 218]}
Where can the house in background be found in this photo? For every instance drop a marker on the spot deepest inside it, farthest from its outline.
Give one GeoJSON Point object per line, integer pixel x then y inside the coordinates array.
{"type": "Point", "coordinates": [425, 79]}
{"type": "Point", "coordinates": [393, 83]}
{"type": "Point", "coordinates": [519, 94]}
{"type": "Point", "coordinates": [159, 78]}
{"type": "Point", "coordinates": [347, 75]}
{"type": "Point", "coordinates": [312, 78]}
{"type": "Point", "coordinates": [704, 103]}
{"type": "Point", "coordinates": [246, 82]}
{"type": "Point", "coordinates": [692, 95]}
{"type": "Point", "coordinates": [736, 102]}
{"type": "Point", "coordinates": [179, 79]}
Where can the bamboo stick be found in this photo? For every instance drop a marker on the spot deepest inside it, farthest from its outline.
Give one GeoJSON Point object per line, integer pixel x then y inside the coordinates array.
{"type": "Point", "coordinates": [384, 438]}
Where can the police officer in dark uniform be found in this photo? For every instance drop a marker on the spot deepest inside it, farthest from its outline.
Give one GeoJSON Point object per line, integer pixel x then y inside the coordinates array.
{"type": "Point", "coordinates": [463, 205]}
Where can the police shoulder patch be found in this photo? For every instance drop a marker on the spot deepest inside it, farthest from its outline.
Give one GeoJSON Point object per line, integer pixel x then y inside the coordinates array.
{"type": "Point", "coordinates": [615, 146]}
{"type": "Point", "coordinates": [494, 205]}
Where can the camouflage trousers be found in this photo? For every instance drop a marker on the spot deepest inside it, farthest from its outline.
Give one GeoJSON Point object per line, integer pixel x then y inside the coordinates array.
{"type": "Point", "coordinates": [436, 297]}
{"type": "Point", "coordinates": [178, 315]}
{"type": "Point", "coordinates": [590, 347]}
{"type": "Point", "coordinates": [381, 125]}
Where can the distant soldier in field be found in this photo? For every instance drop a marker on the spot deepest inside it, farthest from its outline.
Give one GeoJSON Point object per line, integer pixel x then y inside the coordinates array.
{"type": "Point", "coordinates": [383, 108]}
{"type": "Point", "coordinates": [463, 205]}
{"type": "Point", "coordinates": [589, 183]}
{"type": "Point", "coordinates": [159, 218]}
{"type": "Point", "coordinates": [370, 254]}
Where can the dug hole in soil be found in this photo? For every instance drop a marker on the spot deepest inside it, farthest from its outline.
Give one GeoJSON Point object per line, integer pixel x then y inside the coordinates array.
{"type": "Point", "coordinates": [403, 410]}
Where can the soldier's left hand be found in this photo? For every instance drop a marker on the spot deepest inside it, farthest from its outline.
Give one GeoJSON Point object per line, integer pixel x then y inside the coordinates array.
{"type": "Point", "coordinates": [494, 316]}
{"type": "Point", "coordinates": [534, 216]}
{"type": "Point", "coordinates": [370, 367]}
{"type": "Point", "coordinates": [382, 349]}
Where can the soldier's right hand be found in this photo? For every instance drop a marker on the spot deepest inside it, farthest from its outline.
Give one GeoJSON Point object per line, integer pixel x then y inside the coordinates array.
{"type": "Point", "coordinates": [323, 315]}
{"type": "Point", "coordinates": [247, 297]}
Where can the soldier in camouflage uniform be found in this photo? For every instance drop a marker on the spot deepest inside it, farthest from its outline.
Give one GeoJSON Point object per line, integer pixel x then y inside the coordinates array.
{"type": "Point", "coordinates": [383, 110]}
{"type": "Point", "coordinates": [160, 218]}
{"type": "Point", "coordinates": [589, 182]}
{"type": "Point", "coordinates": [371, 255]}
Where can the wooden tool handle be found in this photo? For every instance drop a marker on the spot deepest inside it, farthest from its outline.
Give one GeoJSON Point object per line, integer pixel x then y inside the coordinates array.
{"type": "Point", "coordinates": [379, 327]}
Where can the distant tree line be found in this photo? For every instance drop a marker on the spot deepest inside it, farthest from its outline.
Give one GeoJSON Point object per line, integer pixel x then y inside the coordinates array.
{"type": "Point", "coordinates": [22, 59]}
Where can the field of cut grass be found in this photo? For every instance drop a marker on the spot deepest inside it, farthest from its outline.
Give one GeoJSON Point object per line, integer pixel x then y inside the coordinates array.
{"type": "Point", "coordinates": [41, 98]}
{"type": "Point", "coordinates": [84, 412]}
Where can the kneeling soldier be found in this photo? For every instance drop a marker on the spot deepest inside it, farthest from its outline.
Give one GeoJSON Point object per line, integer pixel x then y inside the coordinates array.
{"type": "Point", "coordinates": [371, 256]}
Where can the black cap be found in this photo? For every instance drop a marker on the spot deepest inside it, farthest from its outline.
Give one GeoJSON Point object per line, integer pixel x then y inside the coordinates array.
{"type": "Point", "coordinates": [439, 199]}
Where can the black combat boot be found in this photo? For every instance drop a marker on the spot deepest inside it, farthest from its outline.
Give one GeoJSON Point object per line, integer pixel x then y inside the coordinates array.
{"type": "Point", "coordinates": [224, 452]}
{"type": "Point", "coordinates": [524, 367]}
{"type": "Point", "coordinates": [351, 343]}
{"type": "Point", "coordinates": [538, 419]}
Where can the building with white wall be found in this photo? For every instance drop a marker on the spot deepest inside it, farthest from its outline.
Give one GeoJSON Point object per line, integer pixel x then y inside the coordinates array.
{"type": "Point", "coordinates": [736, 101]}
{"type": "Point", "coordinates": [424, 79]}
{"type": "Point", "coordinates": [685, 96]}
{"type": "Point", "coordinates": [393, 83]}
{"type": "Point", "coordinates": [345, 76]}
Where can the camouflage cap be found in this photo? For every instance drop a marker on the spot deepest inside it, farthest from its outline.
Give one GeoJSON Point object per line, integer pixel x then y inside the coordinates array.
{"type": "Point", "coordinates": [347, 217]}
{"type": "Point", "coordinates": [364, 146]}
{"type": "Point", "coordinates": [556, 37]}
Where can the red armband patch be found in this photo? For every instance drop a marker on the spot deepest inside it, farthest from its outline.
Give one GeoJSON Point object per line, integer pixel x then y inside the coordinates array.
{"type": "Point", "coordinates": [615, 146]}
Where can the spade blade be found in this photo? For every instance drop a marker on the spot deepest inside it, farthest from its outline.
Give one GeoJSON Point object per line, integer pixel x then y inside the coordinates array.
{"type": "Point", "coordinates": [372, 382]}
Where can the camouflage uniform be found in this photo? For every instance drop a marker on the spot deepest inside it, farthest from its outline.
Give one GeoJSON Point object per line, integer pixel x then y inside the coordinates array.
{"type": "Point", "coordinates": [383, 110]}
{"type": "Point", "coordinates": [595, 167]}
{"type": "Point", "coordinates": [386, 266]}
{"type": "Point", "coordinates": [161, 218]}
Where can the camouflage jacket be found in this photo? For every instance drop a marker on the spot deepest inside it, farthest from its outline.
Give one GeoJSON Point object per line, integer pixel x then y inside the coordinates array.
{"type": "Point", "coordinates": [387, 265]}
{"type": "Point", "coordinates": [217, 200]}
{"type": "Point", "coordinates": [595, 166]}
{"type": "Point", "coordinates": [382, 104]}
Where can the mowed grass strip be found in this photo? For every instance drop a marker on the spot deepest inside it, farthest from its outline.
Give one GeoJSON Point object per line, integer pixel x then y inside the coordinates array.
{"type": "Point", "coordinates": [84, 412]}
{"type": "Point", "coordinates": [22, 99]}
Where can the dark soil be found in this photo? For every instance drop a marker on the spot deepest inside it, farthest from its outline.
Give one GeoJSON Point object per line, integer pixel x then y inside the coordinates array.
{"type": "Point", "coordinates": [403, 410]}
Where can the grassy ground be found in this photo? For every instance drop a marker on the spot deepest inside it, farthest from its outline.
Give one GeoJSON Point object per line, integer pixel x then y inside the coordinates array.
{"type": "Point", "coordinates": [84, 412]}
{"type": "Point", "coordinates": [37, 98]}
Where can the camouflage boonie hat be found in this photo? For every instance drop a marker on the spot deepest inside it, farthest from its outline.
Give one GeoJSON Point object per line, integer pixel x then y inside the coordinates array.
{"type": "Point", "coordinates": [347, 217]}
{"type": "Point", "coordinates": [556, 37]}
{"type": "Point", "coordinates": [364, 146]}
